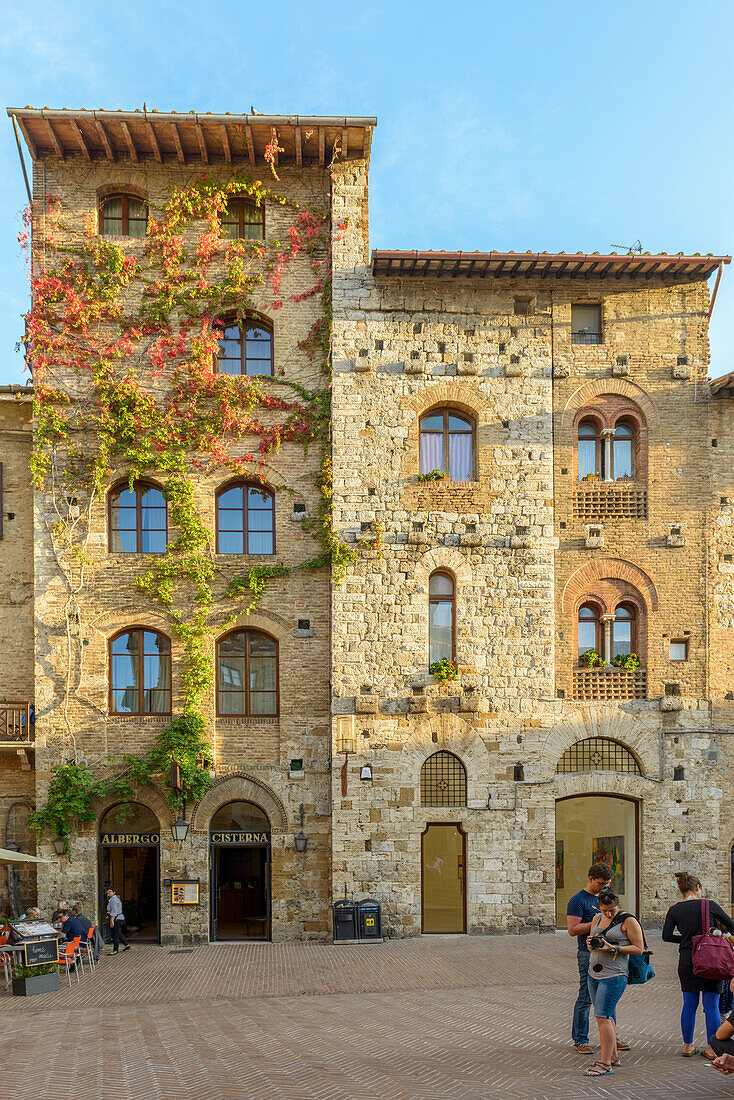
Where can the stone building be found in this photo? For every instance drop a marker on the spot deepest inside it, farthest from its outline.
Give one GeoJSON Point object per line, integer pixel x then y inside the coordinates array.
{"type": "Point", "coordinates": [530, 466]}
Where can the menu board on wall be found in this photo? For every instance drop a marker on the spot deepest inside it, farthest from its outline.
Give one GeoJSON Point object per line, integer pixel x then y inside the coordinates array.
{"type": "Point", "coordinates": [184, 893]}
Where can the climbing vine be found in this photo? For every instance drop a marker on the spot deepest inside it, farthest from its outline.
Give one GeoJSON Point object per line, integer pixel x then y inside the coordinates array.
{"type": "Point", "coordinates": [123, 345]}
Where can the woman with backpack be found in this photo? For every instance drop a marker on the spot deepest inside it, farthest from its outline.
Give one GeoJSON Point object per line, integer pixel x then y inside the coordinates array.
{"type": "Point", "coordinates": [613, 937]}
{"type": "Point", "coordinates": [687, 917]}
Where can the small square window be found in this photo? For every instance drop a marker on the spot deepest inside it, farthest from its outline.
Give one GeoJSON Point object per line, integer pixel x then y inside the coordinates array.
{"type": "Point", "coordinates": [586, 323]}
{"type": "Point", "coordinates": [679, 649]}
{"type": "Point", "coordinates": [522, 306]}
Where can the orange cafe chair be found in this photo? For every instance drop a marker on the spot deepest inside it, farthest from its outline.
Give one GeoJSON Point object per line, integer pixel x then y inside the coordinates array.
{"type": "Point", "coordinates": [66, 958]}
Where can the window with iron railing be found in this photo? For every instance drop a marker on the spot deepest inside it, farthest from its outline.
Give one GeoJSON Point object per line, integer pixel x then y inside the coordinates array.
{"type": "Point", "coordinates": [586, 324]}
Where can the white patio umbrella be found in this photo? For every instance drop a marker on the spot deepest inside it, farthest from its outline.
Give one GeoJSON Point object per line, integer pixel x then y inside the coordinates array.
{"type": "Point", "coordinates": [8, 856]}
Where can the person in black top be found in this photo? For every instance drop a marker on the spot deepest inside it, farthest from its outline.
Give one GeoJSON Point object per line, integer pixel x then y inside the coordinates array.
{"type": "Point", "coordinates": [687, 917]}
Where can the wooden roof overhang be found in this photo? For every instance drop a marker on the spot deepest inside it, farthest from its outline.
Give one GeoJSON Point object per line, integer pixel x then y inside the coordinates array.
{"type": "Point", "coordinates": [190, 139]}
{"type": "Point", "coordinates": [724, 386]}
{"type": "Point", "coordinates": [544, 265]}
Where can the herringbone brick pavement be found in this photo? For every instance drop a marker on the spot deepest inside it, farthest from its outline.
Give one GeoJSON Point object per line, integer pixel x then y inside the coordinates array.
{"type": "Point", "coordinates": [435, 1018]}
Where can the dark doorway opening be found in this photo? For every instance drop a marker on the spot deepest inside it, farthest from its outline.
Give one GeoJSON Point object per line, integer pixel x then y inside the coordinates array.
{"type": "Point", "coordinates": [133, 871]}
{"type": "Point", "coordinates": [240, 893]}
{"type": "Point", "coordinates": [129, 837]}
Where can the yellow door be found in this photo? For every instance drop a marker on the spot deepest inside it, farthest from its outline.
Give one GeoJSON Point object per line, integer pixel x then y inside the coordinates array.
{"type": "Point", "coordinates": [443, 878]}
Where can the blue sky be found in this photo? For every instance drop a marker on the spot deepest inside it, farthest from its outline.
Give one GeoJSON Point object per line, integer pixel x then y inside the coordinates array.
{"type": "Point", "coordinates": [543, 126]}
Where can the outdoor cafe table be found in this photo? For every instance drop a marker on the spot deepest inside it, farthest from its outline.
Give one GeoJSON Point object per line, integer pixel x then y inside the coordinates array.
{"type": "Point", "coordinates": [16, 948]}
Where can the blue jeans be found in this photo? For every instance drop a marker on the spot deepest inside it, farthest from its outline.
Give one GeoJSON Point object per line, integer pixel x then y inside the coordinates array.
{"type": "Point", "coordinates": [604, 993]}
{"type": "Point", "coordinates": [580, 1026]}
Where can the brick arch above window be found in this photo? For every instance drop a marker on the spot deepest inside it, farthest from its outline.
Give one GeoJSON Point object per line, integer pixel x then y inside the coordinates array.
{"type": "Point", "coordinates": [618, 387]}
{"type": "Point", "coordinates": [581, 583]}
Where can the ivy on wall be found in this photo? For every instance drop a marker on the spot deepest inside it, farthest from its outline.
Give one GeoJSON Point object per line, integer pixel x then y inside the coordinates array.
{"type": "Point", "coordinates": [103, 323]}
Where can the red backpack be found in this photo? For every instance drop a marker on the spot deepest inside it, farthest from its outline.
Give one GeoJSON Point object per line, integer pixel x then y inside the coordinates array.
{"type": "Point", "coordinates": [713, 956]}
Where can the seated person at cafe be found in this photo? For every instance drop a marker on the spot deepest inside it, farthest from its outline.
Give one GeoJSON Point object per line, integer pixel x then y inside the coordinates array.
{"type": "Point", "coordinates": [60, 907]}
{"type": "Point", "coordinates": [97, 942]}
{"type": "Point", "coordinates": [71, 926]}
{"type": "Point", "coordinates": [34, 913]}
{"type": "Point", "coordinates": [78, 915]}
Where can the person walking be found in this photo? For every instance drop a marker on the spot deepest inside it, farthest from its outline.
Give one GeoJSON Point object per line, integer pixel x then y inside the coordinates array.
{"type": "Point", "coordinates": [117, 922]}
{"type": "Point", "coordinates": [613, 937]}
{"type": "Point", "coordinates": [687, 917]}
{"type": "Point", "coordinates": [581, 910]}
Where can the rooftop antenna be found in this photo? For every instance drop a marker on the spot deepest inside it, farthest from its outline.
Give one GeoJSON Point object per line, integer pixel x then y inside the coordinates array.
{"type": "Point", "coordinates": [632, 249]}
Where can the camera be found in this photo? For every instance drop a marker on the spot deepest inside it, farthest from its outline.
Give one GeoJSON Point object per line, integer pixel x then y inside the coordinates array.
{"type": "Point", "coordinates": [596, 942]}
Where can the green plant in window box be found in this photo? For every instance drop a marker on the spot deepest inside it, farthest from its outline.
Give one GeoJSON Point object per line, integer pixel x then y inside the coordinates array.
{"type": "Point", "coordinates": [433, 475]}
{"type": "Point", "coordinates": [592, 659]}
{"type": "Point", "coordinates": [628, 661]}
{"type": "Point", "coordinates": [590, 477]}
{"type": "Point", "coordinates": [444, 671]}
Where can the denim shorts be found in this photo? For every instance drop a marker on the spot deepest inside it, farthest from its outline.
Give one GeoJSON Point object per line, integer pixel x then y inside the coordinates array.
{"type": "Point", "coordinates": [604, 993]}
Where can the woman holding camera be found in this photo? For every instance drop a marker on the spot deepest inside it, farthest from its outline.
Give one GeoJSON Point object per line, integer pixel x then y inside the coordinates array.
{"type": "Point", "coordinates": [611, 941]}
{"type": "Point", "coordinates": [687, 917]}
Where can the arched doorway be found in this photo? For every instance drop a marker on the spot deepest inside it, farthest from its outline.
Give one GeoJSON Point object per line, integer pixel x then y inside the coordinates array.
{"type": "Point", "coordinates": [239, 835]}
{"type": "Point", "coordinates": [129, 860]}
{"type": "Point", "coordinates": [596, 828]}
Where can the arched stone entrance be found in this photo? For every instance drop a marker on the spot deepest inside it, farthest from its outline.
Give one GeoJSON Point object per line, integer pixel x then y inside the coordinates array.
{"type": "Point", "coordinates": [129, 860]}
{"type": "Point", "coordinates": [594, 828]}
{"type": "Point", "coordinates": [239, 838]}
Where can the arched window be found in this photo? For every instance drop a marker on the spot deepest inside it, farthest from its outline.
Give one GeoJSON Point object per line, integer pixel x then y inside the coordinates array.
{"type": "Point", "coordinates": [598, 754]}
{"type": "Point", "coordinates": [243, 219]}
{"type": "Point", "coordinates": [590, 452]}
{"type": "Point", "coordinates": [129, 817]}
{"type": "Point", "coordinates": [446, 444]}
{"type": "Point", "coordinates": [623, 450]}
{"type": "Point", "coordinates": [239, 817]}
{"type": "Point", "coordinates": [245, 347]}
{"type": "Point", "coordinates": [140, 673]}
{"type": "Point", "coordinates": [245, 520]}
{"type": "Point", "coordinates": [440, 617]}
{"type": "Point", "coordinates": [624, 639]}
{"type": "Point", "coordinates": [138, 520]}
{"type": "Point", "coordinates": [123, 216]}
{"type": "Point", "coordinates": [589, 636]}
{"type": "Point", "coordinates": [247, 674]}
{"type": "Point", "coordinates": [443, 780]}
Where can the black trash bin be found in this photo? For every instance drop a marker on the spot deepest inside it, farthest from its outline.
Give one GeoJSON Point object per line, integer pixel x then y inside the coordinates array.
{"type": "Point", "coordinates": [369, 921]}
{"type": "Point", "coordinates": [345, 921]}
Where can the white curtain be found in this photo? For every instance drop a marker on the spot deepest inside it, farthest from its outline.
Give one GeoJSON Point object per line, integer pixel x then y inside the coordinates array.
{"type": "Point", "coordinates": [460, 468]}
{"type": "Point", "coordinates": [431, 452]}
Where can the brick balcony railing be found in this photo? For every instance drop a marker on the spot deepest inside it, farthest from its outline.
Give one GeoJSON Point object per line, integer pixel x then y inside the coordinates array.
{"type": "Point", "coordinates": [600, 500]}
{"type": "Point", "coordinates": [16, 721]}
{"type": "Point", "coordinates": [601, 685]}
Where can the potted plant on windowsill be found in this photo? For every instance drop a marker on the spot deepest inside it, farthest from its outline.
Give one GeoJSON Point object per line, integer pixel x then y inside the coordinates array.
{"type": "Point", "coordinates": [627, 661]}
{"type": "Point", "coordinates": [590, 477]}
{"type": "Point", "coordinates": [592, 659]}
{"type": "Point", "coordinates": [29, 980]}
{"type": "Point", "coordinates": [433, 475]}
{"type": "Point", "coordinates": [444, 671]}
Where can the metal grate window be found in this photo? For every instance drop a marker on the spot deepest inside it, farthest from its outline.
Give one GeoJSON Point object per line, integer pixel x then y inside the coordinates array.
{"type": "Point", "coordinates": [598, 754]}
{"type": "Point", "coordinates": [443, 781]}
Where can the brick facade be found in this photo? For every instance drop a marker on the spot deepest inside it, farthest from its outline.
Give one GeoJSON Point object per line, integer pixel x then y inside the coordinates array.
{"type": "Point", "coordinates": [525, 543]}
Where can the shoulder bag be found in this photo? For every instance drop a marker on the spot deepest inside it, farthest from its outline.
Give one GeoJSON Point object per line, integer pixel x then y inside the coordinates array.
{"type": "Point", "coordinates": [713, 956]}
{"type": "Point", "coordinates": [640, 968]}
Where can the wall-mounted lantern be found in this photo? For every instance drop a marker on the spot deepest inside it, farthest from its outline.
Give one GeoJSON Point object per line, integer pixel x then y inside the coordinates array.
{"type": "Point", "coordinates": [301, 840]}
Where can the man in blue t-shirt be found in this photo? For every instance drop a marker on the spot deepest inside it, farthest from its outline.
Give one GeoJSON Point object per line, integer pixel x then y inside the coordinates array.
{"type": "Point", "coordinates": [580, 912]}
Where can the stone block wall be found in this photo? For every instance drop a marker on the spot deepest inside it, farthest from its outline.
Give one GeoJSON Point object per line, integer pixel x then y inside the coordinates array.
{"type": "Point", "coordinates": [525, 541]}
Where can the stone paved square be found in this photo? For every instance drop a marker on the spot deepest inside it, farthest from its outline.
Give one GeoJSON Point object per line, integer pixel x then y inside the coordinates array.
{"type": "Point", "coordinates": [434, 1018]}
